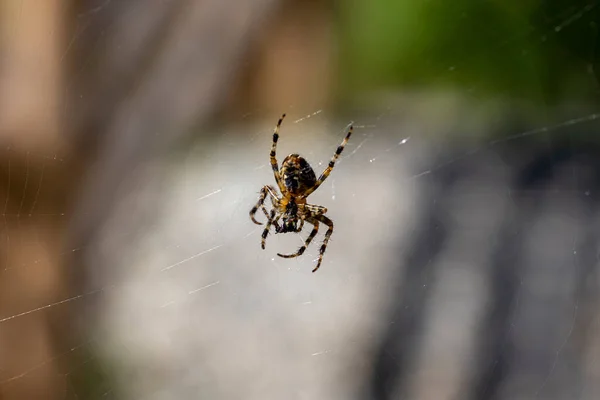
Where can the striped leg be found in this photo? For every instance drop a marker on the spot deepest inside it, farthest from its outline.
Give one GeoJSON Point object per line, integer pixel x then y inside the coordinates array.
{"type": "Point", "coordinates": [275, 223]}
{"type": "Point", "coordinates": [261, 200]}
{"type": "Point", "coordinates": [315, 210]}
{"type": "Point", "coordinates": [259, 204]}
{"type": "Point", "coordinates": [301, 225]}
{"type": "Point", "coordinates": [329, 223]}
{"type": "Point", "coordinates": [327, 171]}
{"type": "Point", "coordinates": [273, 156]}
{"type": "Point", "coordinates": [307, 242]}
{"type": "Point", "coordinates": [271, 221]}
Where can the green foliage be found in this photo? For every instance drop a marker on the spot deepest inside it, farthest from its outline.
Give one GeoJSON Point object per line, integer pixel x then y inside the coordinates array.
{"type": "Point", "coordinates": [516, 49]}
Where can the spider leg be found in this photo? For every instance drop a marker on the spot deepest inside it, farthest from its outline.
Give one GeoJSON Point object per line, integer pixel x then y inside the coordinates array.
{"type": "Point", "coordinates": [259, 204]}
{"type": "Point", "coordinates": [261, 200]}
{"type": "Point", "coordinates": [274, 159]}
{"type": "Point", "coordinates": [312, 210]}
{"type": "Point", "coordinates": [275, 223]}
{"type": "Point", "coordinates": [327, 170]}
{"type": "Point", "coordinates": [310, 237]}
{"type": "Point", "coordinates": [299, 229]}
{"type": "Point", "coordinates": [271, 221]}
{"type": "Point", "coordinates": [329, 223]}
{"type": "Point", "coordinates": [315, 210]}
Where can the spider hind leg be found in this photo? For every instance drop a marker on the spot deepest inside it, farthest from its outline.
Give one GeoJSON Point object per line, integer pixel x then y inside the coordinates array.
{"type": "Point", "coordinates": [328, 234]}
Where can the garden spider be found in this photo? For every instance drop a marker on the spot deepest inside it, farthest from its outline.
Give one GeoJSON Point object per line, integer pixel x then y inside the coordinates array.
{"type": "Point", "coordinates": [296, 181]}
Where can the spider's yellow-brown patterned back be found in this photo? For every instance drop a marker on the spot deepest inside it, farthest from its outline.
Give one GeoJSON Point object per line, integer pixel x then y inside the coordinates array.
{"type": "Point", "coordinates": [297, 174]}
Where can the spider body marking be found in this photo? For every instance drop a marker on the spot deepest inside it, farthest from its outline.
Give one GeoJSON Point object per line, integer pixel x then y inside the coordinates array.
{"type": "Point", "coordinates": [296, 181]}
{"type": "Point", "coordinates": [297, 175]}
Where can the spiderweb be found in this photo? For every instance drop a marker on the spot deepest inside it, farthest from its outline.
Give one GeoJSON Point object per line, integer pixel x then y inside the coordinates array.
{"type": "Point", "coordinates": [187, 305]}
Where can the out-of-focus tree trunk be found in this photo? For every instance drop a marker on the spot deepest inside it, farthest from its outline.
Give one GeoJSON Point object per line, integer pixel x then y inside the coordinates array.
{"type": "Point", "coordinates": [34, 187]}
{"type": "Point", "coordinates": [75, 108]}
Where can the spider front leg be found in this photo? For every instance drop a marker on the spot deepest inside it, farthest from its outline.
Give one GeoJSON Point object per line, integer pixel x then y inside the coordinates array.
{"type": "Point", "coordinates": [271, 221]}
{"type": "Point", "coordinates": [274, 223]}
{"type": "Point", "coordinates": [259, 204]}
{"type": "Point", "coordinates": [261, 200]}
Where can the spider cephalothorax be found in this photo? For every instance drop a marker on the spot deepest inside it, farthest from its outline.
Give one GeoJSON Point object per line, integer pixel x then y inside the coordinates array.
{"type": "Point", "coordinates": [290, 221]}
{"type": "Point", "coordinates": [296, 181]}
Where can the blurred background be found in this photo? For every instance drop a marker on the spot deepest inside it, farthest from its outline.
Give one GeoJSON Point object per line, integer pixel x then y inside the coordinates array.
{"type": "Point", "coordinates": [134, 139]}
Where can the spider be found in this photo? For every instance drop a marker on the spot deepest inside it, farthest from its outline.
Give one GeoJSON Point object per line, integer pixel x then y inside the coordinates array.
{"type": "Point", "coordinates": [296, 181]}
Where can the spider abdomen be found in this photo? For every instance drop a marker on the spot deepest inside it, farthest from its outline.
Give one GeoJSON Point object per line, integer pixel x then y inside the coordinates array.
{"type": "Point", "coordinates": [297, 174]}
